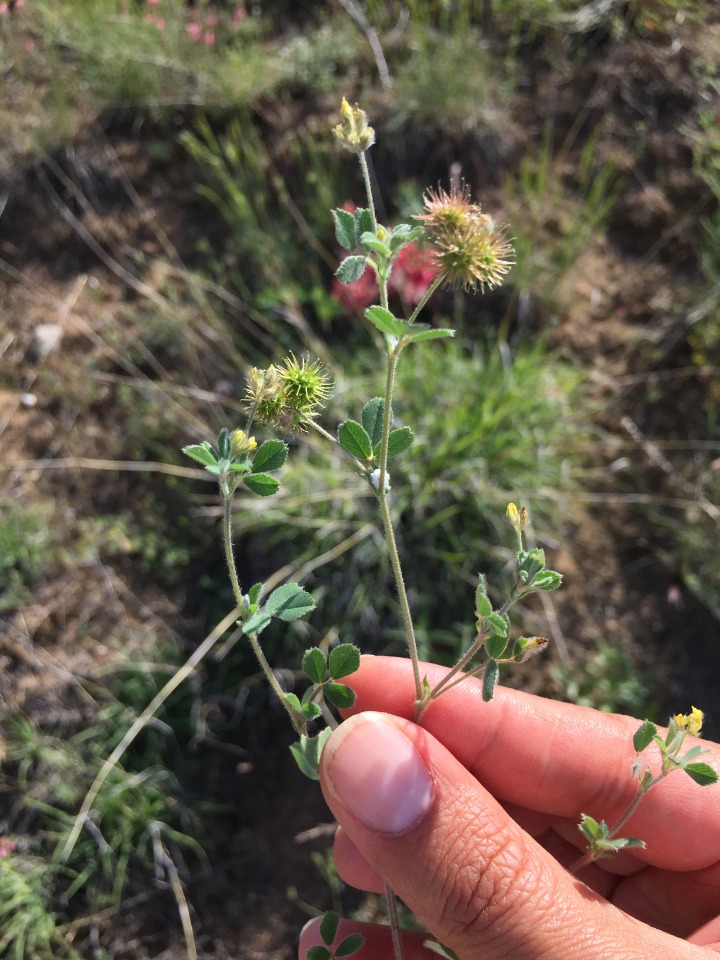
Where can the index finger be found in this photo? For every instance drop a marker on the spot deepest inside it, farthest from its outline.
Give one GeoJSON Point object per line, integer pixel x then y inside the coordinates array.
{"type": "Point", "coordinates": [555, 758]}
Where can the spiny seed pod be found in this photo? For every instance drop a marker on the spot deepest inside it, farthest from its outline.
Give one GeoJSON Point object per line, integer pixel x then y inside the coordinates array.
{"type": "Point", "coordinates": [470, 248]}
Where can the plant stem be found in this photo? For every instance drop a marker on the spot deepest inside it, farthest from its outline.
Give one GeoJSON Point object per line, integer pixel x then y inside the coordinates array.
{"type": "Point", "coordinates": [589, 856]}
{"type": "Point", "coordinates": [394, 922]}
{"type": "Point", "coordinates": [368, 188]}
{"type": "Point", "coordinates": [428, 293]}
{"type": "Point", "coordinates": [297, 722]}
{"type": "Point", "coordinates": [392, 360]}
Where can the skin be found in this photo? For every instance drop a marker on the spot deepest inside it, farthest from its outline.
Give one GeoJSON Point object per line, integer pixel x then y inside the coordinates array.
{"type": "Point", "coordinates": [484, 867]}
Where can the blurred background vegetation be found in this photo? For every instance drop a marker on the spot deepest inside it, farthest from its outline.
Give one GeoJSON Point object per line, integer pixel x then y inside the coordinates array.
{"type": "Point", "coordinates": [166, 175]}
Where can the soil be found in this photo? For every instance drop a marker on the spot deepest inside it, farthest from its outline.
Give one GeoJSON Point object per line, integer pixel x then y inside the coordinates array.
{"type": "Point", "coordinates": [84, 268]}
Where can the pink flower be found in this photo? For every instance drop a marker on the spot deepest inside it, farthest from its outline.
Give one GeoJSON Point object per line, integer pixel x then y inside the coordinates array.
{"type": "Point", "coordinates": [413, 271]}
{"type": "Point", "coordinates": [3, 8]}
{"type": "Point", "coordinates": [152, 3]}
{"type": "Point", "coordinates": [239, 15]}
{"type": "Point", "coordinates": [160, 23]}
{"type": "Point", "coordinates": [194, 30]}
{"type": "Point", "coordinates": [6, 846]}
{"type": "Point", "coordinates": [209, 38]}
{"type": "Point", "coordinates": [211, 20]}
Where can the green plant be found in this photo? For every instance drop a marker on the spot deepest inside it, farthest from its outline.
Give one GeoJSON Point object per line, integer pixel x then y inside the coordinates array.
{"type": "Point", "coordinates": [24, 540]}
{"type": "Point", "coordinates": [550, 223]}
{"type": "Point", "coordinates": [140, 829]}
{"type": "Point", "coordinates": [28, 927]}
{"type": "Point", "coordinates": [605, 678]}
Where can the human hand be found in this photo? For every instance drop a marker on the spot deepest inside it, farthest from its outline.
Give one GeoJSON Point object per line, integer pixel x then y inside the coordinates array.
{"type": "Point", "coordinates": [472, 820]}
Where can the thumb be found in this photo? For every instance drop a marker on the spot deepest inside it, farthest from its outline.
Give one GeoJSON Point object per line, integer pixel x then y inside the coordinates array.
{"type": "Point", "coordinates": [478, 882]}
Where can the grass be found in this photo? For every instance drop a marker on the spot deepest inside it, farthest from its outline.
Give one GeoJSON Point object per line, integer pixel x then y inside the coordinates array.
{"type": "Point", "coordinates": [138, 836]}
{"type": "Point", "coordinates": [25, 539]}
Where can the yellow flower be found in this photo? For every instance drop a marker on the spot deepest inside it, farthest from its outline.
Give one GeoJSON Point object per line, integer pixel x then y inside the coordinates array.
{"type": "Point", "coordinates": [691, 723]}
{"type": "Point", "coordinates": [354, 133]}
{"type": "Point", "coordinates": [470, 249]}
{"type": "Point", "coordinates": [241, 443]}
{"type": "Point", "coordinates": [519, 518]}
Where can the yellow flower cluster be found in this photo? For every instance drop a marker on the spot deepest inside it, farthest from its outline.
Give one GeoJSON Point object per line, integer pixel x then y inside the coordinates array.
{"type": "Point", "coordinates": [691, 722]}
{"type": "Point", "coordinates": [354, 133]}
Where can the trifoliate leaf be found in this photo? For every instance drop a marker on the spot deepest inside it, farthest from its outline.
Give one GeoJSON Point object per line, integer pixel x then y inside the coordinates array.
{"type": "Point", "coordinates": [530, 563]}
{"type": "Point", "coordinates": [262, 484]}
{"type": "Point", "coordinates": [403, 234]}
{"type": "Point", "coordinates": [345, 232]}
{"type": "Point", "coordinates": [490, 679]}
{"type": "Point", "coordinates": [307, 752]}
{"type": "Point", "coordinates": [483, 606]}
{"type": "Point", "coordinates": [498, 625]}
{"type": "Point", "coordinates": [349, 945]}
{"type": "Point", "coordinates": [344, 660]}
{"type": "Point", "coordinates": [369, 241]}
{"type": "Point", "coordinates": [363, 221]}
{"type": "Point", "coordinates": [270, 455]}
{"type": "Point", "coordinates": [386, 322]}
{"type": "Point", "coordinates": [351, 269]}
{"type": "Point", "coordinates": [310, 711]}
{"type": "Point", "coordinates": [495, 646]}
{"type": "Point", "coordinates": [223, 443]}
{"type": "Point", "coordinates": [644, 735]}
{"type": "Point", "coordinates": [437, 333]}
{"type": "Point", "coordinates": [328, 927]}
{"type": "Point", "coordinates": [354, 439]}
{"type": "Point", "coordinates": [314, 664]}
{"type": "Point", "coordinates": [701, 773]}
{"type": "Point", "coordinates": [289, 602]}
{"type": "Point", "coordinates": [546, 580]}
{"type": "Point", "coordinates": [339, 695]}
{"type": "Point", "coordinates": [292, 700]}
{"type": "Point", "coordinates": [372, 419]}
{"type": "Point", "coordinates": [591, 828]}
{"type": "Point", "coordinates": [399, 440]}
{"type": "Point", "coordinates": [202, 452]}
{"type": "Point", "coordinates": [257, 622]}
{"type": "Point", "coordinates": [318, 953]}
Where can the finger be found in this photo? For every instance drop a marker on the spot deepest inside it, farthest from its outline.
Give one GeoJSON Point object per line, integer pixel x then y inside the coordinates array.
{"type": "Point", "coordinates": [353, 867]}
{"type": "Point", "coordinates": [378, 941]}
{"type": "Point", "coordinates": [454, 856]}
{"type": "Point", "coordinates": [577, 760]}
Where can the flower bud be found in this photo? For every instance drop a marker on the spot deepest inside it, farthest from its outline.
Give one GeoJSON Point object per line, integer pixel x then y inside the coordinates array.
{"type": "Point", "coordinates": [354, 133]}
{"type": "Point", "coordinates": [519, 518]}
{"type": "Point", "coordinates": [241, 443]}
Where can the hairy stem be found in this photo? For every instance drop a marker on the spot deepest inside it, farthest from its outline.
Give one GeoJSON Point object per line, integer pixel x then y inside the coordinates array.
{"type": "Point", "coordinates": [368, 188]}
{"type": "Point", "coordinates": [297, 722]}
{"type": "Point", "coordinates": [392, 359]}
{"type": "Point", "coordinates": [428, 293]}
